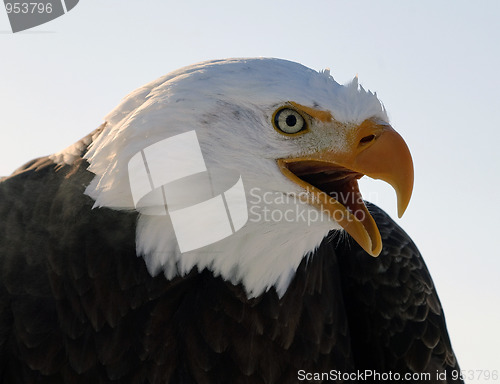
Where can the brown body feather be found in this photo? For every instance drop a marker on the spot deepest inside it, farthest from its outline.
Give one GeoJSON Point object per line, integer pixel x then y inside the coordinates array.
{"type": "Point", "coordinates": [78, 306]}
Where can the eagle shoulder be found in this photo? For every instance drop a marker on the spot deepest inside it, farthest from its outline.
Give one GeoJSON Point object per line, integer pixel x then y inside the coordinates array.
{"type": "Point", "coordinates": [396, 319]}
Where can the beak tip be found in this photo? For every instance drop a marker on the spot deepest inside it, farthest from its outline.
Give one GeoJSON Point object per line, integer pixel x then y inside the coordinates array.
{"type": "Point", "coordinates": [403, 205]}
{"type": "Point", "coordinates": [403, 198]}
{"type": "Point", "coordinates": [378, 249]}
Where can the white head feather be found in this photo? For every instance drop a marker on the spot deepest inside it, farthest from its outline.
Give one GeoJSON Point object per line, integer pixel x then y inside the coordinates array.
{"type": "Point", "coordinates": [230, 104]}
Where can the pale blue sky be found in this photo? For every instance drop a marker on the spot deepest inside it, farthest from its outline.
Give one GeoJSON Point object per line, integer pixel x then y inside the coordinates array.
{"type": "Point", "coordinates": [434, 64]}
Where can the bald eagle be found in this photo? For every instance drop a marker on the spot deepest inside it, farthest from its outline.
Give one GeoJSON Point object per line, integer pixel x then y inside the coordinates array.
{"type": "Point", "coordinates": [212, 231]}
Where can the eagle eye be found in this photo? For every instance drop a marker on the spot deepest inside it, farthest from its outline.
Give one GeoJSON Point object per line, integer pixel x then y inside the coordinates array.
{"type": "Point", "coordinates": [289, 121]}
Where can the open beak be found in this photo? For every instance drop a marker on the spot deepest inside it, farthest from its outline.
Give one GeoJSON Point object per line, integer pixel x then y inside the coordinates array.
{"type": "Point", "coordinates": [330, 178]}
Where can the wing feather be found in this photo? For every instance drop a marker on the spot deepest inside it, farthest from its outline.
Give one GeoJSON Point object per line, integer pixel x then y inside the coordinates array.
{"type": "Point", "coordinates": [397, 322]}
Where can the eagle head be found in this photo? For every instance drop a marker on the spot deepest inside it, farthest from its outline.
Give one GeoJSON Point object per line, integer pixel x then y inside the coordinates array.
{"type": "Point", "coordinates": [244, 166]}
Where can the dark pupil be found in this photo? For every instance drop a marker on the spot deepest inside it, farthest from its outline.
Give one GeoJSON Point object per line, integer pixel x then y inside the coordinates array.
{"type": "Point", "coordinates": [291, 120]}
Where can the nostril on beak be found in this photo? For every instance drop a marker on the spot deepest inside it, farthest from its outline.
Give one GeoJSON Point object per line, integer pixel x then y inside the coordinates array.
{"type": "Point", "coordinates": [367, 139]}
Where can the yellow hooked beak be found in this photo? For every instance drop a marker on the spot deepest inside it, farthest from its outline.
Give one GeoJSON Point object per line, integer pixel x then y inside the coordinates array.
{"type": "Point", "coordinates": [330, 178]}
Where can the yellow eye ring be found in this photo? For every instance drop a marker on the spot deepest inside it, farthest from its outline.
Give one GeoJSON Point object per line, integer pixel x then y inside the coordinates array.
{"type": "Point", "coordinates": [289, 121]}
